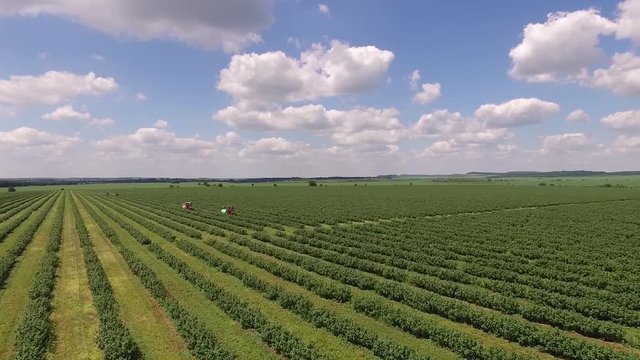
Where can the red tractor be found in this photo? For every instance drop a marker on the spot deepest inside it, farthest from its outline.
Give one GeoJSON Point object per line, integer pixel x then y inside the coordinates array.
{"type": "Point", "coordinates": [187, 205]}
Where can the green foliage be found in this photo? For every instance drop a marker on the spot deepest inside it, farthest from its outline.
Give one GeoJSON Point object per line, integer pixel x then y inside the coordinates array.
{"type": "Point", "coordinates": [11, 189]}
{"type": "Point", "coordinates": [114, 338]}
{"type": "Point", "coordinates": [525, 264]}
{"type": "Point", "coordinates": [35, 331]}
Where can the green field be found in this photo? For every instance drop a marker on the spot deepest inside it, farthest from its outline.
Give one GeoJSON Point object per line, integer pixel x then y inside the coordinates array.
{"type": "Point", "coordinates": [411, 269]}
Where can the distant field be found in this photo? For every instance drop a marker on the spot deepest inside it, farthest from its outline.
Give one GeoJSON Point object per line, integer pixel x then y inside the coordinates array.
{"type": "Point", "coordinates": [569, 181]}
{"type": "Point", "coordinates": [412, 269]}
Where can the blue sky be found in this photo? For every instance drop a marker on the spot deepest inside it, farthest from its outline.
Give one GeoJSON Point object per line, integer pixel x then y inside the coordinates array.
{"type": "Point", "coordinates": [305, 88]}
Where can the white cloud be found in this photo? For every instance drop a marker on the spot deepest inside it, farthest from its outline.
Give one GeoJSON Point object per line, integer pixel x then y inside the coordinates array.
{"type": "Point", "coordinates": [622, 77]}
{"type": "Point", "coordinates": [98, 57]}
{"type": "Point", "coordinates": [505, 149]}
{"type": "Point", "coordinates": [140, 96]}
{"type": "Point", "coordinates": [429, 93]}
{"type": "Point", "coordinates": [43, 55]}
{"type": "Point", "coordinates": [101, 122]}
{"type": "Point", "coordinates": [161, 124]}
{"type": "Point", "coordinates": [368, 138]}
{"type": "Point", "coordinates": [28, 142]}
{"type": "Point", "coordinates": [319, 72]}
{"type": "Point", "coordinates": [66, 112]}
{"type": "Point", "coordinates": [623, 120]}
{"type": "Point", "coordinates": [578, 115]}
{"type": "Point", "coordinates": [366, 125]}
{"type": "Point", "coordinates": [453, 126]}
{"type": "Point", "coordinates": [564, 46]}
{"type": "Point", "coordinates": [626, 144]}
{"type": "Point", "coordinates": [563, 143]}
{"type": "Point", "coordinates": [51, 88]}
{"type": "Point", "coordinates": [440, 148]}
{"type": "Point", "coordinates": [230, 25]}
{"type": "Point", "coordinates": [324, 9]}
{"type": "Point", "coordinates": [153, 143]}
{"type": "Point", "coordinates": [516, 112]}
{"type": "Point", "coordinates": [273, 146]}
{"type": "Point", "coordinates": [294, 41]}
{"type": "Point", "coordinates": [414, 79]}
{"type": "Point", "coordinates": [628, 24]}
{"type": "Point", "coordinates": [307, 117]}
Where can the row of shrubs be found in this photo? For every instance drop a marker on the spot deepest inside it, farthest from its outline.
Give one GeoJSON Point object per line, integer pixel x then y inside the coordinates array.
{"type": "Point", "coordinates": [22, 217]}
{"type": "Point", "coordinates": [569, 296]}
{"type": "Point", "coordinates": [35, 331]}
{"type": "Point", "coordinates": [530, 331]}
{"type": "Point", "coordinates": [114, 338]}
{"type": "Point", "coordinates": [301, 306]}
{"type": "Point", "coordinates": [375, 264]}
{"type": "Point", "coordinates": [273, 334]}
{"type": "Point", "coordinates": [296, 303]}
{"type": "Point", "coordinates": [508, 327]}
{"type": "Point", "coordinates": [8, 261]}
{"type": "Point", "coordinates": [202, 344]}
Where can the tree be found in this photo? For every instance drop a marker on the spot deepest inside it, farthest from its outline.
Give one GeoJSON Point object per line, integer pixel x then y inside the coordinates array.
{"type": "Point", "coordinates": [11, 189]}
{"type": "Point", "coordinates": [313, 183]}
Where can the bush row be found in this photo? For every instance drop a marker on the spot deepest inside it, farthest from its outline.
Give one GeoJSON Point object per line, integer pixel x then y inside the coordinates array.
{"type": "Point", "coordinates": [298, 304]}
{"type": "Point", "coordinates": [8, 261]}
{"type": "Point", "coordinates": [548, 308]}
{"type": "Point", "coordinates": [114, 338]}
{"type": "Point", "coordinates": [202, 344]}
{"type": "Point", "coordinates": [280, 339]}
{"type": "Point", "coordinates": [539, 313]}
{"type": "Point", "coordinates": [36, 329]}
{"type": "Point", "coordinates": [508, 327]}
{"type": "Point", "coordinates": [22, 217]}
{"type": "Point", "coordinates": [166, 220]}
{"type": "Point", "coordinates": [312, 283]}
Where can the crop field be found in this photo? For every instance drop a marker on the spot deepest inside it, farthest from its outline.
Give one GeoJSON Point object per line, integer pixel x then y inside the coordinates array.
{"type": "Point", "coordinates": [474, 271]}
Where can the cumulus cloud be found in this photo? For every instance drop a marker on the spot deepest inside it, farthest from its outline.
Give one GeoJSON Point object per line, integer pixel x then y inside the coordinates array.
{"type": "Point", "coordinates": [628, 25]}
{"type": "Point", "coordinates": [623, 120]}
{"type": "Point", "coordinates": [360, 124]}
{"type": "Point", "coordinates": [564, 46]}
{"type": "Point", "coordinates": [324, 9]}
{"type": "Point", "coordinates": [101, 122]}
{"type": "Point", "coordinates": [159, 143]}
{"type": "Point", "coordinates": [161, 124]}
{"type": "Point", "coordinates": [273, 146]}
{"type": "Point", "coordinates": [153, 143]}
{"type": "Point", "coordinates": [563, 143]}
{"type": "Point", "coordinates": [516, 112]}
{"type": "Point", "coordinates": [578, 115]}
{"type": "Point", "coordinates": [453, 126]}
{"type": "Point", "coordinates": [31, 142]}
{"type": "Point", "coordinates": [51, 88]}
{"type": "Point", "coordinates": [429, 93]}
{"type": "Point", "coordinates": [414, 79]}
{"type": "Point", "coordinates": [273, 76]}
{"type": "Point", "coordinates": [140, 96]}
{"type": "Point", "coordinates": [98, 57]}
{"type": "Point", "coordinates": [622, 77]}
{"type": "Point", "coordinates": [68, 112]}
{"type": "Point", "coordinates": [440, 148]}
{"type": "Point", "coordinates": [626, 144]}
{"type": "Point", "coordinates": [230, 25]}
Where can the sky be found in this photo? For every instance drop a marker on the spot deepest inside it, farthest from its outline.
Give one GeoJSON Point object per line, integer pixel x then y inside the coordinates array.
{"type": "Point", "coordinates": [262, 88]}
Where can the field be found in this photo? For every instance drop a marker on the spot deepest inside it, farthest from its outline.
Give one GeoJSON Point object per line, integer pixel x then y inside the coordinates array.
{"type": "Point", "coordinates": [487, 270]}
